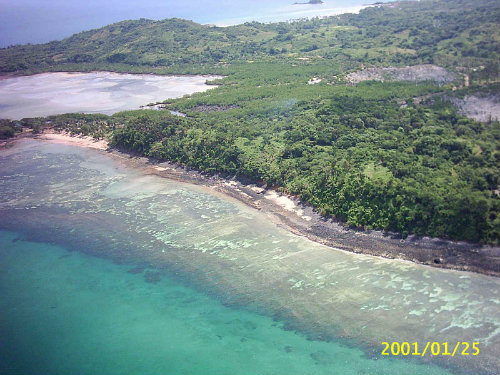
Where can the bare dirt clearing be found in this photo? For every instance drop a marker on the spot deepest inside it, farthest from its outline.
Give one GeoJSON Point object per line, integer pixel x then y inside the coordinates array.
{"type": "Point", "coordinates": [479, 108]}
{"type": "Point", "coordinates": [416, 73]}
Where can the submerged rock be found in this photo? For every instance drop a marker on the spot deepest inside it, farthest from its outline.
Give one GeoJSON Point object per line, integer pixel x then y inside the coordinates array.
{"type": "Point", "coordinates": [136, 270]}
{"type": "Point", "coordinates": [152, 277]}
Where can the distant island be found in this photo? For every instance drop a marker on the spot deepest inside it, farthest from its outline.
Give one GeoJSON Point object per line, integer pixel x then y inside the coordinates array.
{"type": "Point", "coordinates": [311, 2]}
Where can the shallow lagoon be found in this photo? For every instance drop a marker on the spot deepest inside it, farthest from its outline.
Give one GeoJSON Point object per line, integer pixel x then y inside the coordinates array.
{"type": "Point", "coordinates": [115, 270]}
{"type": "Point", "coordinates": [96, 92]}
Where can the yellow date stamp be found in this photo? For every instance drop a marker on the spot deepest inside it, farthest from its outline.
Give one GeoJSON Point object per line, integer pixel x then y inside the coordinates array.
{"type": "Point", "coordinates": [430, 348]}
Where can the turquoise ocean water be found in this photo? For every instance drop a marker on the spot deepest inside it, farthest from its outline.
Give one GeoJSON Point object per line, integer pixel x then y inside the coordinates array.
{"type": "Point", "coordinates": [69, 313]}
{"type": "Point", "coordinates": [104, 269]}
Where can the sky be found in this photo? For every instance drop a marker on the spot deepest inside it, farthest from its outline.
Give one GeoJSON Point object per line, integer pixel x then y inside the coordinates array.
{"type": "Point", "coordinates": [40, 21]}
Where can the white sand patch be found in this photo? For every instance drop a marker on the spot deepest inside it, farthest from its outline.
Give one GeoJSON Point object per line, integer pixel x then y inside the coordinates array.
{"type": "Point", "coordinates": [244, 194]}
{"type": "Point", "coordinates": [231, 183]}
{"type": "Point", "coordinates": [160, 169]}
{"type": "Point", "coordinates": [285, 202]}
{"type": "Point", "coordinates": [280, 200]}
{"type": "Point", "coordinates": [163, 169]}
{"type": "Point", "coordinates": [257, 189]}
{"type": "Point", "coordinates": [314, 81]}
{"type": "Point", "coordinates": [81, 141]}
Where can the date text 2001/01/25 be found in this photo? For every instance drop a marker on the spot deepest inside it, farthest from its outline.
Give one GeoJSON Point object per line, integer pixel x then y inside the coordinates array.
{"type": "Point", "coordinates": [431, 348]}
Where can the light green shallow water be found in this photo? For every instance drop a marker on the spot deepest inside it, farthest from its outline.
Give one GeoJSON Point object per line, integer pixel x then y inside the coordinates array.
{"type": "Point", "coordinates": [164, 277]}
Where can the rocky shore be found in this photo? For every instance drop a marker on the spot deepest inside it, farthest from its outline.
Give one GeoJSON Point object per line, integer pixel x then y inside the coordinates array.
{"type": "Point", "coordinates": [290, 213]}
{"type": "Point", "coordinates": [301, 219]}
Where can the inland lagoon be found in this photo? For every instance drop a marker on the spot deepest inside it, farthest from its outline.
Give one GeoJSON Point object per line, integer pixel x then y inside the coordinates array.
{"type": "Point", "coordinates": [107, 269]}
{"type": "Point", "coordinates": [95, 92]}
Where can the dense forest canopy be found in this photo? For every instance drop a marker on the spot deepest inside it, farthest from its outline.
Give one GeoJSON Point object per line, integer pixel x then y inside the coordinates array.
{"type": "Point", "coordinates": [393, 155]}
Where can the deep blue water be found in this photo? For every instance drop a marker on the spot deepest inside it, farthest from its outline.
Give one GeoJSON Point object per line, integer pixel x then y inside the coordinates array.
{"type": "Point", "coordinates": [39, 21]}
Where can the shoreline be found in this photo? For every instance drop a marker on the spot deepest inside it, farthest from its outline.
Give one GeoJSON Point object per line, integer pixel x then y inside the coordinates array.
{"type": "Point", "coordinates": [292, 16]}
{"type": "Point", "coordinates": [58, 93]}
{"type": "Point", "coordinates": [7, 75]}
{"type": "Point", "coordinates": [321, 292]}
{"type": "Point", "coordinates": [290, 213]}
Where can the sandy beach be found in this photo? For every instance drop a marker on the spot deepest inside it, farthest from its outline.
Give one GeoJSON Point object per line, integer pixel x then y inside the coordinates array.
{"type": "Point", "coordinates": [301, 219]}
{"type": "Point", "coordinates": [80, 141]}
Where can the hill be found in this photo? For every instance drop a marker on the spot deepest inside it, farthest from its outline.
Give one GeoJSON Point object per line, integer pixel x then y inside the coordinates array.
{"type": "Point", "coordinates": [448, 33]}
{"type": "Point", "coordinates": [390, 151]}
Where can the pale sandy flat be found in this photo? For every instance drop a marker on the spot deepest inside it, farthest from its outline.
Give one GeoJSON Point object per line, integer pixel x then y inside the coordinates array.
{"type": "Point", "coordinates": [96, 92]}
{"type": "Point", "coordinates": [81, 141]}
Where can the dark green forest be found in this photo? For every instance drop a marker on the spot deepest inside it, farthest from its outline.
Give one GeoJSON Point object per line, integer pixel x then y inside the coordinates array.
{"type": "Point", "coordinates": [392, 155]}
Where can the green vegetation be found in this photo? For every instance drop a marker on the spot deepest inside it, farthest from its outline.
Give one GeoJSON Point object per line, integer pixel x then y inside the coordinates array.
{"type": "Point", "coordinates": [9, 129]}
{"type": "Point", "coordinates": [453, 34]}
{"type": "Point", "coordinates": [367, 154]}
